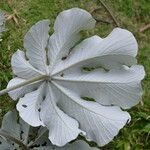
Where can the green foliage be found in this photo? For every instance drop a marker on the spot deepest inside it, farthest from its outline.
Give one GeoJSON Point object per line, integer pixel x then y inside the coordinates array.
{"type": "Point", "coordinates": [129, 13]}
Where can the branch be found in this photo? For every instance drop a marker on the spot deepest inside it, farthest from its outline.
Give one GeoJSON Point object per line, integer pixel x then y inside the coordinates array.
{"type": "Point", "coordinates": [27, 82]}
{"type": "Point", "coordinates": [103, 21]}
{"type": "Point", "coordinates": [111, 14]}
{"type": "Point", "coordinates": [99, 20]}
{"type": "Point", "coordinates": [8, 136]}
{"type": "Point", "coordinates": [145, 28]}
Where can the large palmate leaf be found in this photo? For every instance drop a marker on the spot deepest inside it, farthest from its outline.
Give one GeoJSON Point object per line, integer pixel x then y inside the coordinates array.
{"type": "Point", "coordinates": [12, 131]}
{"type": "Point", "coordinates": [86, 84]}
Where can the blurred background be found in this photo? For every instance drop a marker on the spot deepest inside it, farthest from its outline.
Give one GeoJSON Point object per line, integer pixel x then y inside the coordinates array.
{"type": "Point", "coordinates": [133, 15]}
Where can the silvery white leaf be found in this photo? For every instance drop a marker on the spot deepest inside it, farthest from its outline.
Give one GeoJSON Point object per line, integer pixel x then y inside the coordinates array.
{"type": "Point", "coordinates": [123, 85]}
{"type": "Point", "coordinates": [77, 145]}
{"type": "Point", "coordinates": [25, 131]}
{"type": "Point", "coordinates": [101, 123]}
{"type": "Point", "coordinates": [117, 49]}
{"type": "Point", "coordinates": [58, 103]}
{"type": "Point", "coordinates": [21, 131]}
{"type": "Point", "coordinates": [5, 145]}
{"type": "Point", "coordinates": [67, 26]}
{"type": "Point", "coordinates": [21, 67]}
{"type": "Point", "coordinates": [17, 130]}
{"type": "Point", "coordinates": [20, 92]}
{"type": "Point", "coordinates": [10, 125]}
{"type": "Point", "coordinates": [50, 116]}
{"type": "Point", "coordinates": [35, 42]}
{"type": "Point", "coordinates": [62, 128]}
{"type": "Point", "coordinates": [28, 107]}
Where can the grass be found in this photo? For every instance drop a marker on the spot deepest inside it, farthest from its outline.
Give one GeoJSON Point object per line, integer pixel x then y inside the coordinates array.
{"type": "Point", "coordinates": [131, 14]}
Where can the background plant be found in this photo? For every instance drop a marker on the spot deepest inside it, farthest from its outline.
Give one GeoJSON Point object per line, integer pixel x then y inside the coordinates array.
{"type": "Point", "coordinates": [15, 134]}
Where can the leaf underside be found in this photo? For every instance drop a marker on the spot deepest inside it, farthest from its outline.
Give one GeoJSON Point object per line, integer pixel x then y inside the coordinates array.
{"type": "Point", "coordinates": [103, 71]}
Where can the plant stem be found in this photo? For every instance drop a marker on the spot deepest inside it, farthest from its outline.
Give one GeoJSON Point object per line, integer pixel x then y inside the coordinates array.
{"type": "Point", "coordinates": [27, 82]}
{"type": "Point", "coordinates": [145, 28]}
{"type": "Point", "coordinates": [7, 136]}
{"type": "Point", "coordinates": [114, 19]}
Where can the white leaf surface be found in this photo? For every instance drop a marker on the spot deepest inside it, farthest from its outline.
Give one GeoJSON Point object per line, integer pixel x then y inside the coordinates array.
{"type": "Point", "coordinates": [5, 145]}
{"type": "Point", "coordinates": [35, 42]}
{"type": "Point", "coordinates": [118, 87]}
{"type": "Point", "coordinates": [118, 48]}
{"type": "Point", "coordinates": [15, 128]}
{"type": "Point", "coordinates": [20, 92]}
{"type": "Point", "coordinates": [25, 131]}
{"type": "Point", "coordinates": [101, 123]}
{"type": "Point", "coordinates": [61, 107]}
{"type": "Point", "coordinates": [21, 67]}
{"type": "Point", "coordinates": [77, 145]}
{"type": "Point", "coordinates": [10, 125]}
{"type": "Point", "coordinates": [28, 107]}
{"type": "Point", "coordinates": [67, 26]}
{"type": "Point", "coordinates": [62, 128]}
{"type": "Point", "coordinates": [22, 132]}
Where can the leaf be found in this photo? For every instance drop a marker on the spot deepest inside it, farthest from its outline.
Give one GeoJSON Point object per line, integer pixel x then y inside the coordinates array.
{"type": "Point", "coordinates": [67, 26]}
{"type": "Point", "coordinates": [21, 67]}
{"type": "Point", "coordinates": [12, 130]}
{"type": "Point", "coordinates": [20, 92]}
{"type": "Point", "coordinates": [5, 145]}
{"type": "Point", "coordinates": [123, 85]}
{"type": "Point", "coordinates": [35, 42]}
{"type": "Point", "coordinates": [73, 146]}
{"type": "Point", "coordinates": [58, 102]}
{"type": "Point", "coordinates": [22, 132]}
{"type": "Point", "coordinates": [103, 122]}
{"type": "Point", "coordinates": [117, 49]}
{"type": "Point", "coordinates": [10, 125]}
{"type": "Point", "coordinates": [28, 107]}
{"type": "Point", "coordinates": [62, 128]}
{"type": "Point", "coordinates": [42, 138]}
{"type": "Point", "coordinates": [77, 145]}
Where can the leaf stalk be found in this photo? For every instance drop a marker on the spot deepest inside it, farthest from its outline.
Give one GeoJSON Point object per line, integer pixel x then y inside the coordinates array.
{"type": "Point", "coordinates": [7, 136]}
{"type": "Point", "coordinates": [27, 82]}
